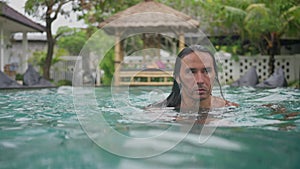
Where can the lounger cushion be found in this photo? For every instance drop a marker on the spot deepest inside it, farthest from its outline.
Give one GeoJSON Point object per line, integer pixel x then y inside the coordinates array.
{"type": "Point", "coordinates": [7, 82]}
{"type": "Point", "coordinates": [250, 78]}
{"type": "Point", "coordinates": [33, 78]}
{"type": "Point", "coordinates": [277, 79]}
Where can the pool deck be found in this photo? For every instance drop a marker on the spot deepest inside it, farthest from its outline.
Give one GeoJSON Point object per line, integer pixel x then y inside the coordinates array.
{"type": "Point", "coordinates": [27, 87]}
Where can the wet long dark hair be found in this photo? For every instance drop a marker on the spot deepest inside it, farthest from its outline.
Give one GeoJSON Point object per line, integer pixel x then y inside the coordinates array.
{"type": "Point", "coordinates": [174, 99]}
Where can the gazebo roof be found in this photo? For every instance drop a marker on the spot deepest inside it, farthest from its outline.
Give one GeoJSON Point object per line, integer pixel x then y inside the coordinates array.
{"type": "Point", "coordinates": [149, 16]}
{"type": "Point", "coordinates": [16, 22]}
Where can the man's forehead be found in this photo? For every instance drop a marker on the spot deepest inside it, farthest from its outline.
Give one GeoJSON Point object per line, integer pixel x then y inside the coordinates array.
{"type": "Point", "coordinates": [198, 58]}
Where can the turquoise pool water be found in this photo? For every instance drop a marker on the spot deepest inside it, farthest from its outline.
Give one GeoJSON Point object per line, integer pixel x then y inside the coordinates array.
{"type": "Point", "coordinates": [40, 129]}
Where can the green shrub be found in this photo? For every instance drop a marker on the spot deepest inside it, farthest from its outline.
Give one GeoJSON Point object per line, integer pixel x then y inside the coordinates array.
{"type": "Point", "coordinates": [107, 65]}
{"type": "Point", "coordinates": [19, 77]}
{"type": "Point", "coordinates": [64, 83]}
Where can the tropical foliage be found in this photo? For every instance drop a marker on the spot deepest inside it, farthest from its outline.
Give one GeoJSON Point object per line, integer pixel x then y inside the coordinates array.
{"type": "Point", "coordinates": [71, 39]}
{"type": "Point", "coordinates": [38, 58]}
{"type": "Point", "coordinates": [107, 65]}
{"type": "Point", "coordinates": [259, 24]}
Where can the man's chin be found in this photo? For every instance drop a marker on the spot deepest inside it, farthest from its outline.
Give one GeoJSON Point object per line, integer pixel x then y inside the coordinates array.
{"type": "Point", "coordinates": [203, 98]}
{"type": "Point", "coordinates": [200, 97]}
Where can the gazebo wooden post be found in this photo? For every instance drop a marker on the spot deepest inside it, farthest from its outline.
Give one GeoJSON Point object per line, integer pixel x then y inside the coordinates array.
{"type": "Point", "coordinates": [181, 41]}
{"type": "Point", "coordinates": [118, 59]}
{"type": "Point", "coordinates": [144, 39]}
{"type": "Point", "coordinates": [158, 45]}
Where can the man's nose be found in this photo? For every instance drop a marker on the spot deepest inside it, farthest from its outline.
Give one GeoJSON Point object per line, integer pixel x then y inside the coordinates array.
{"type": "Point", "coordinates": [199, 77]}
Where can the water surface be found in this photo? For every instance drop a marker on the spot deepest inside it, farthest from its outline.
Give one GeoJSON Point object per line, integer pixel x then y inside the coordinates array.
{"type": "Point", "coordinates": [40, 129]}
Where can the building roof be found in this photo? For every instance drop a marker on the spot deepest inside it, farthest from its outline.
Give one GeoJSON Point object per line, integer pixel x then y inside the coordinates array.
{"type": "Point", "coordinates": [149, 16]}
{"type": "Point", "coordinates": [8, 14]}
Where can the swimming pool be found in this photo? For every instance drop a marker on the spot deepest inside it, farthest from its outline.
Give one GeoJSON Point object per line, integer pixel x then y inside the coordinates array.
{"type": "Point", "coordinates": [40, 129]}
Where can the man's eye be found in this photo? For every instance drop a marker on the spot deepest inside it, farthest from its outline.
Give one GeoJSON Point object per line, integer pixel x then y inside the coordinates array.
{"type": "Point", "coordinates": [192, 71]}
{"type": "Point", "coordinates": [207, 70]}
{"type": "Point", "coordinates": [187, 71]}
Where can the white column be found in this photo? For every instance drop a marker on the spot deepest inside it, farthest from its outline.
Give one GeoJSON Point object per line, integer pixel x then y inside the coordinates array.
{"type": "Point", "coordinates": [1, 48]}
{"type": "Point", "coordinates": [25, 52]}
{"type": "Point", "coordinates": [98, 76]}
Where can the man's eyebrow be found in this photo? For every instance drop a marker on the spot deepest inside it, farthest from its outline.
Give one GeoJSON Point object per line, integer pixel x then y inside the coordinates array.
{"type": "Point", "coordinates": [192, 68]}
{"type": "Point", "coordinates": [209, 68]}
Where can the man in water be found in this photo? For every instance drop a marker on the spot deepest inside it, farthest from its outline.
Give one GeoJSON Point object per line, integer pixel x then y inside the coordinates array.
{"type": "Point", "coordinates": [194, 76]}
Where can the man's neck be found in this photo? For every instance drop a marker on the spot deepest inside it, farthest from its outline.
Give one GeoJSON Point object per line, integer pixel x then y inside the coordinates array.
{"type": "Point", "coordinates": [206, 103]}
{"type": "Point", "coordinates": [192, 105]}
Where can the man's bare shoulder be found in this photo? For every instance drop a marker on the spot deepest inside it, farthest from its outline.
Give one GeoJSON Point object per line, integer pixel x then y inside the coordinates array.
{"type": "Point", "coordinates": [218, 102]}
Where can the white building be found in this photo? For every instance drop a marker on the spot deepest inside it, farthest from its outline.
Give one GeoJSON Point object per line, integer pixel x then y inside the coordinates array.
{"type": "Point", "coordinates": [36, 42]}
{"type": "Point", "coordinates": [12, 22]}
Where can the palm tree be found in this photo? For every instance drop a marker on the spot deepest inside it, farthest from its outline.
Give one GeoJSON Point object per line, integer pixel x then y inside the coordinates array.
{"type": "Point", "coordinates": [262, 22]}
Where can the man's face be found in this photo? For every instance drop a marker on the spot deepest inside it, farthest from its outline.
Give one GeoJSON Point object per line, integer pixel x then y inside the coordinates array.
{"type": "Point", "coordinates": [196, 75]}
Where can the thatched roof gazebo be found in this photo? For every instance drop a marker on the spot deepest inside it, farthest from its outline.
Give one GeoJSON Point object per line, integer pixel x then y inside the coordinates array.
{"type": "Point", "coordinates": [148, 16]}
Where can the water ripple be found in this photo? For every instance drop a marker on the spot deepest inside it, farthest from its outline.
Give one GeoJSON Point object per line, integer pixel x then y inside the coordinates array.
{"type": "Point", "coordinates": [40, 129]}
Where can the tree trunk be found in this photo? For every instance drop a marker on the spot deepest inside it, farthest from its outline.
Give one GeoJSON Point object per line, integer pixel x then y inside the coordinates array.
{"type": "Point", "coordinates": [271, 64]}
{"type": "Point", "coordinates": [50, 49]}
{"type": "Point", "coordinates": [273, 49]}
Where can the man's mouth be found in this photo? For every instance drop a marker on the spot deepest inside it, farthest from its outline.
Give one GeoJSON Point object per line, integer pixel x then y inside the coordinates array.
{"type": "Point", "coordinates": [201, 90]}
